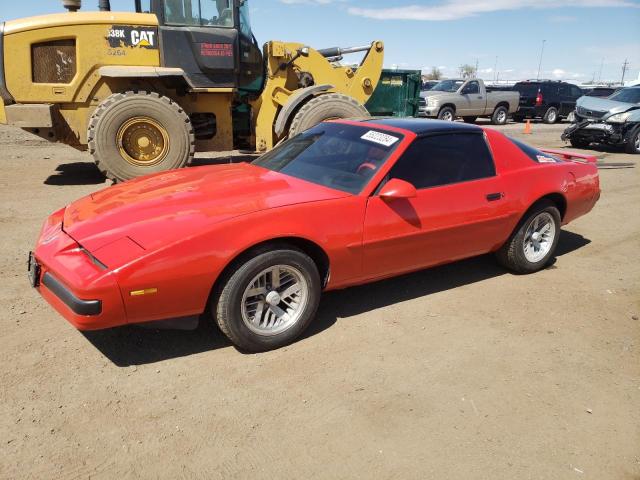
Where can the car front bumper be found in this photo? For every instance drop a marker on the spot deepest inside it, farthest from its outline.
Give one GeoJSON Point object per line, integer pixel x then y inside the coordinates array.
{"type": "Point", "coordinates": [82, 290]}
{"type": "Point", "coordinates": [428, 111]}
{"type": "Point", "coordinates": [597, 132]}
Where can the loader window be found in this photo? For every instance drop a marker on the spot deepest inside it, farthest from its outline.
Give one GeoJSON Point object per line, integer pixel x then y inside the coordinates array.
{"type": "Point", "coordinates": [202, 13]}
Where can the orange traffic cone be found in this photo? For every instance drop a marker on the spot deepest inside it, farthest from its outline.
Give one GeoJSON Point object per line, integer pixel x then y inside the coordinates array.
{"type": "Point", "coordinates": [527, 128]}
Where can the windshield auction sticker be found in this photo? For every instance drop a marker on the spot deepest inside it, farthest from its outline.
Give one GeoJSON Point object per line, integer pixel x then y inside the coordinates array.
{"type": "Point", "coordinates": [380, 138]}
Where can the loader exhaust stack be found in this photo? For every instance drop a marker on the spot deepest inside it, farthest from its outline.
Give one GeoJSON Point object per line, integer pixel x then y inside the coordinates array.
{"type": "Point", "coordinates": [72, 5]}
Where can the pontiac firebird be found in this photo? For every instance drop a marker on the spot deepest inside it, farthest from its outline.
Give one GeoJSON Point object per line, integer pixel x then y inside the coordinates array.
{"type": "Point", "coordinates": [344, 203]}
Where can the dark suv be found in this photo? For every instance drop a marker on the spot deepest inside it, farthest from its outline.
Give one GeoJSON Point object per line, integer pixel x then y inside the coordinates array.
{"type": "Point", "coordinates": [546, 99]}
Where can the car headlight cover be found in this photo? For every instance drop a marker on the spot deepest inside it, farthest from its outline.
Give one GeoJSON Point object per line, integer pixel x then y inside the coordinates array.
{"type": "Point", "coordinates": [431, 101]}
{"type": "Point", "coordinates": [619, 117]}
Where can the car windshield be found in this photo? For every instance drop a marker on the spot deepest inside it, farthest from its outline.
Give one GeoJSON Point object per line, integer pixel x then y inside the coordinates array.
{"type": "Point", "coordinates": [627, 95]}
{"type": "Point", "coordinates": [335, 155]}
{"type": "Point", "coordinates": [448, 86]}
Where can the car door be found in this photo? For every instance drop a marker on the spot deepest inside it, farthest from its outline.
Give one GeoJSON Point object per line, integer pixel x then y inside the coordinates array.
{"type": "Point", "coordinates": [459, 211]}
{"type": "Point", "coordinates": [472, 99]}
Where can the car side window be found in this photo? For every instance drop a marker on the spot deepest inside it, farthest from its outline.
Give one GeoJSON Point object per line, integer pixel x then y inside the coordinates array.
{"type": "Point", "coordinates": [444, 159]}
{"type": "Point", "coordinates": [472, 88]}
{"type": "Point", "coordinates": [575, 91]}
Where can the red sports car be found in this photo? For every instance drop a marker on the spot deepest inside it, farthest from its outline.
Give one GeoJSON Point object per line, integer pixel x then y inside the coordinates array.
{"type": "Point", "coordinates": [341, 204]}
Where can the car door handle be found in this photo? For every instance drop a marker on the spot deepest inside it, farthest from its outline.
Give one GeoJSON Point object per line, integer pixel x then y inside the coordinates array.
{"type": "Point", "coordinates": [492, 197]}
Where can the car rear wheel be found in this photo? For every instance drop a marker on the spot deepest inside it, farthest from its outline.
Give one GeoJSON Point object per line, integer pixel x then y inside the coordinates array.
{"type": "Point", "coordinates": [551, 115]}
{"type": "Point", "coordinates": [534, 241]}
{"type": "Point", "coordinates": [447, 114]}
{"type": "Point", "coordinates": [469, 119]}
{"type": "Point", "coordinates": [633, 144]}
{"type": "Point", "coordinates": [268, 299]}
{"type": "Point", "coordinates": [500, 116]}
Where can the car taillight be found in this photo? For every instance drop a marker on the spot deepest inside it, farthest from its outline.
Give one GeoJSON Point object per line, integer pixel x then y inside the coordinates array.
{"type": "Point", "coordinates": [539, 99]}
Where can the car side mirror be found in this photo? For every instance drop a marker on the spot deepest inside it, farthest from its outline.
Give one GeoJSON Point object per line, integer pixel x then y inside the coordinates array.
{"type": "Point", "coordinates": [395, 189]}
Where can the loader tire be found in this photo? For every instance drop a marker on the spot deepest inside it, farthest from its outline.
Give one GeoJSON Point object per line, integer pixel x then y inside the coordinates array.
{"type": "Point", "coordinates": [329, 106]}
{"type": "Point", "coordinates": [138, 133]}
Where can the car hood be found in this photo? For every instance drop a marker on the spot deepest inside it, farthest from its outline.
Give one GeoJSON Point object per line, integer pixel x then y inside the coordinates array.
{"type": "Point", "coordinates": [435, 93]}
{"type": "Point", "coordinates": [159, 209]}
{"type": "Point", "coordinates": [584, 105]}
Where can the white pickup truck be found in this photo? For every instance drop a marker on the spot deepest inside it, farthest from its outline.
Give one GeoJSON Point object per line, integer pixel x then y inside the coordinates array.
{"type": "Point", "coordinates": [468, 99]}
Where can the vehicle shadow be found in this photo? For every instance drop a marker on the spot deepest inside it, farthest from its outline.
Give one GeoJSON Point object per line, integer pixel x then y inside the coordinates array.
{"type": "Point", "coordinates": [130, 345]}
{"type": "Point", "coordinates": [77, 173]}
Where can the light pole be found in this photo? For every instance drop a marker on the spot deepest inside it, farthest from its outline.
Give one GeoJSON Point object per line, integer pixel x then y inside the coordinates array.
{"type": "Point", "coordinates": [540, 62]}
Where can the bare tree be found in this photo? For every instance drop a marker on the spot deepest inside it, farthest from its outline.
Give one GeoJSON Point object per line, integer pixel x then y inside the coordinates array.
{"type": "Point", "coordinates": [434, 74]}
{"type": "Point", "coordinates": [467, 71]}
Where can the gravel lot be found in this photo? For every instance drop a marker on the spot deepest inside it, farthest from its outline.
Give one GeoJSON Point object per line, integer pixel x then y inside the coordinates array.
{"type": "Point", "coordinates": [463, 371]}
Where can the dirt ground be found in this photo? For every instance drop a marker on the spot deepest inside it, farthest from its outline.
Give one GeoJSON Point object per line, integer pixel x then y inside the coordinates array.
{"type": "Point", "coordinates": [458, 372]}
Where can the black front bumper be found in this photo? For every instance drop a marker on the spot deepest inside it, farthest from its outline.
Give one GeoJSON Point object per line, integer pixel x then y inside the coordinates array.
{"type": "Point", "coordinates": [595, 132]}
{"type": "Point", "coordinates": [78, 306]}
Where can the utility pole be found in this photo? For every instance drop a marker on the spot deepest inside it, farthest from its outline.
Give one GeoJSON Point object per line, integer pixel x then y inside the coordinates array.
{"type": "Point", "coordinates": [600, 74]}
{"type": "Point", "coordinates": [625, 65]}
{"type": "Point", "coordinates": [540, 62]}
{"type": "Point", "coordinates": [495, 70]}
{"type": "Point", "coordinates": [476, 72]}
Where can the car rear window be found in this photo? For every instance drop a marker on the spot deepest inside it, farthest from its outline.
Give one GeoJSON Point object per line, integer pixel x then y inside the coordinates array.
{"type": "Point", "coordinates": [534, 154]}
{"type": "Point", "coordinates": [526, 89]}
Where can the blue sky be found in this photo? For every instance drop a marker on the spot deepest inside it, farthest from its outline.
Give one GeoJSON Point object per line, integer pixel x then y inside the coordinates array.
{"type": "Point", "coordinates": [579, 34]}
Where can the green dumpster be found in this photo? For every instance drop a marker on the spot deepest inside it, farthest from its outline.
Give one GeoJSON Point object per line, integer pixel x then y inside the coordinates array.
{"type": "Point", "coordinates": [396, 95]}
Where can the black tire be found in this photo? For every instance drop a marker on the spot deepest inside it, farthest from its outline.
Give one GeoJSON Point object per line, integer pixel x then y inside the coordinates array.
{"type": "Point", "coordinates": [633, 142]}
{"type": "Point", "coordinates": [469, 119]}
{"type": "Point", "coordinates": [551, 115]}
{"type": "Point", "coordinates": [228, 300]}
{"type": "Point", "coordinates": [512, 254]}
{"type": "Point", "coordinates": [517, 118]}
{"type": "Point", "coordinates": [447, 113]}
{"type": "Point", "coordinates": [579, 143]}
{"type": "Point", "coordinates": [500, 116]}
{"type": "Point", "coordinates": [116, 110]}
{"type": "Point", "coordinates": [325, 107]}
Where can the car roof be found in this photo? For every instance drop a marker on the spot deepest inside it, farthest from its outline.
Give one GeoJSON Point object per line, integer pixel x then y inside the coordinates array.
{"type": "Point", "coordinates": [423, 126]}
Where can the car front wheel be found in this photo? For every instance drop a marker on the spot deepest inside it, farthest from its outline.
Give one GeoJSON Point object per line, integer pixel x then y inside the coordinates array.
{"type": "Point", "coordinates": [447, 114]}
{"type": "Point", "coordinates": [633, 144]}
{"type": "Point", "coordinates": [534, 241]}
{"type": "Point", "coordinates": [268, 300]}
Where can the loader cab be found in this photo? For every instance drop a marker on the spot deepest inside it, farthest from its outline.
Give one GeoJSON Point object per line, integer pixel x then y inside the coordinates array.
{"type": "Point", "coordinates": [211, 40]}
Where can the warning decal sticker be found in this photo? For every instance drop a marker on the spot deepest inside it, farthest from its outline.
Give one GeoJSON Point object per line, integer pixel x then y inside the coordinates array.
{"type": "Point", "coordinates": [380, 138]}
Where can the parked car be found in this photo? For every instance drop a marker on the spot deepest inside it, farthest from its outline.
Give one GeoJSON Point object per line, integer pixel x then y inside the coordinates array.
{"type": "Point", "coordinates": [468, 99]}
{"type": "Point", "coordinates": [341, 204]}
{"type": "Point", "coordinates": [546, 99]}
{"type": "Point", "coordinates": [601, 92]}
{"type": "Point", "coordinates": [612, 121]}
{"type": "Point", "coordinates": [428, 85]}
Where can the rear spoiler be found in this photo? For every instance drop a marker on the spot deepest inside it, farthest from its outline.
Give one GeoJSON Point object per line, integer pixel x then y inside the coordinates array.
{"type": "Point", "coordinates": [571, 156]}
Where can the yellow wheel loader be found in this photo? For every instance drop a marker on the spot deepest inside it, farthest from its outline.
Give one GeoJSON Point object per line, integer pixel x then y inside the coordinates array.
{"type": "Point", "coordinates": [143, 91]}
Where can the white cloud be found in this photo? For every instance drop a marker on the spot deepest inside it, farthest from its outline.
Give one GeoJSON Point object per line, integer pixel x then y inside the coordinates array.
{"type": "Point", "coordinates": [455, 9]}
